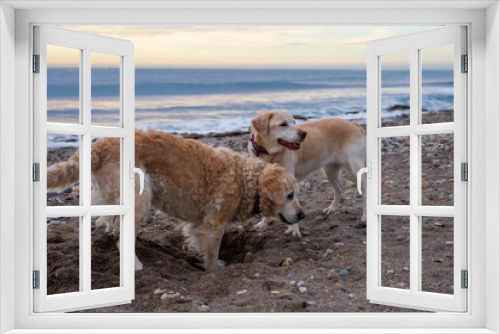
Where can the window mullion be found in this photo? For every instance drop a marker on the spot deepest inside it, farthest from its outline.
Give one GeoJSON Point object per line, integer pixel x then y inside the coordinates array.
{"type": "Point", "coordinates": [415, 171]}
{"type": "Point", "coordinates": [85, 166]}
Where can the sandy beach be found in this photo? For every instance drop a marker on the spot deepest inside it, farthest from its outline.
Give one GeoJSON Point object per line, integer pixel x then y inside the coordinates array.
{"type": "Point", "coordinates": [267, 271]}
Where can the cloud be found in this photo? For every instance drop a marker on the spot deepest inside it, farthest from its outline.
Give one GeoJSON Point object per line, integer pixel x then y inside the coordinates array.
{"type": "Point", "coordinates": [307, 46]}
{"type": "Point", "coordinates": [230, 36]}
{"type": "Point", "coordinates": [376, 33]}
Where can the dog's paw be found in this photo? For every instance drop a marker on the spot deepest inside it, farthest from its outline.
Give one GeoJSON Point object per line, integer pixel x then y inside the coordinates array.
{"type": "Point", "coordinates": [221, 264]}
{"type": "Point", "coordinates": [329, 210]}
{"type": "Point", "coordinates": [293, 230]}
{"type": "Point", "coordinates": [262, 225]}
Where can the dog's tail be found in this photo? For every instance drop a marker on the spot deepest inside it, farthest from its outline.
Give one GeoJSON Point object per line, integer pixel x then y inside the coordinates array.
{"type": "Point", "coordinates": [360, 128]}
{"type": "Point", "coordinates": [63, 174]}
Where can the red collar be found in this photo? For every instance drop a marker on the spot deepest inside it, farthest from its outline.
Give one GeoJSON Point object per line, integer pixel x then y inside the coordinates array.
{"type": "Point", "coordinates": [256, 148]}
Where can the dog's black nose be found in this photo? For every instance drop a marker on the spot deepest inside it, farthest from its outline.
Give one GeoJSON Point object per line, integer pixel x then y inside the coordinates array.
{"type": "Point", "coordinates": [301, 215]}
{"type": "Point", "coordinates": [303, 135]}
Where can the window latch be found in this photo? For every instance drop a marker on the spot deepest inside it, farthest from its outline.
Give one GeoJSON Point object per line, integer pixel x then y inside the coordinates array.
{"type": "Point", "coordinates": [368, 171]}
{"type": "Point", "coordinates": [134, 170]}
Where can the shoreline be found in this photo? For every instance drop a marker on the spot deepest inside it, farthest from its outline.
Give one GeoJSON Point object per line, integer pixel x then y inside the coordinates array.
{"type": "Point", "coordinates": [361, 121]}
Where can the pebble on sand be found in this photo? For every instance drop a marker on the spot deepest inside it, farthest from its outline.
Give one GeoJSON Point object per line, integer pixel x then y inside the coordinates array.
{"type": "Point", "coordinates": [328, 252]}
{"type": "Point", "coordinates": [343, 272]}
{"type": "Point", "coordinates": [248, 257]}
{"type": "Point", "coordinates": [159, 291]}
{"type": "Point", "coordinates": [204, 308]}
{"type": "Point", "coordinates": [288, 261]}
{"type": "Point", "coordinates": [303, 289]}
{"type": "Point", "coordinates": [242, 292]}
{"type": "Point", "coordinates": [330, 274]}
{"type": "Point", "coordinates": [350, 184]}
{"type": "Point", "coordinates": [170, 296]}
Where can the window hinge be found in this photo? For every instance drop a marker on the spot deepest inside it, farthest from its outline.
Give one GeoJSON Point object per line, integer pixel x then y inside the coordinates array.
{"type": "Point", "coordinates": [464, 171]}
{"type": "Point", "coordinates": [36, 279]}
{"type": "Point", "coordinates": [36, 63]}
{"type": "Point", "coordinates": [465, 279]}
{"type": "Point", "coordinates": [36, 172]}
{"type": "Point", "coordinates": [465, 64]}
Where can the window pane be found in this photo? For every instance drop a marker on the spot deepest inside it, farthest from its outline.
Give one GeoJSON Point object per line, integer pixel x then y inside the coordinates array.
{"type": "Point", "coordinates": [60, 155]}
{"type": "Point", "coordinates": [437, 169]}
{"type": "Point", "coordinates": [63, 255]}
{"type": "Point", "coordinates": [395, 255]}
{"type": "Point", "coordinates": [395, 170]}
{"type": "Point", "coordinates": [437, 255]}
{"type": "Point", "coordinates": [105, 89]}
{"type": "Point", "coordinates": [63, 84]}
{"type": "Point", "coordinates": [106, 156]}
{"type": "Point", "coordinates": [105, 259]}
{"type": "Point", "coordinates": [395, 89]}
{"type": "Point", "coordinates": [437, 84]}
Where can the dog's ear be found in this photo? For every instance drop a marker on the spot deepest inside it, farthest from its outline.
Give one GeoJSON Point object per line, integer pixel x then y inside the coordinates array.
{"type": "Point", "coordinates": [272, 188]}
{"type": "Point", "coordinates": [261, 122]}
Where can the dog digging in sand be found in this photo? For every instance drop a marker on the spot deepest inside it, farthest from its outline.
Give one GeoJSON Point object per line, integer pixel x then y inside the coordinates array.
{"type": "Point", "coordinates": [329, 144]}
{"type": "Point", "coordinates": [205, 187]}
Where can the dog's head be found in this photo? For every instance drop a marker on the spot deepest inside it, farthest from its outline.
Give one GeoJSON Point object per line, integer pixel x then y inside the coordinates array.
{"type": "Point", "coordinates": [276, 130]}
{"type": "Point", "coordinates": [278, 195]}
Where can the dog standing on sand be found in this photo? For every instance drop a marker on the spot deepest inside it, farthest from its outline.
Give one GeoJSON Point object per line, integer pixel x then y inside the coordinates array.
{"type": "Point", "coordinates": [330, 144]}
{"type": "Point", "coordinates": [202, 186]}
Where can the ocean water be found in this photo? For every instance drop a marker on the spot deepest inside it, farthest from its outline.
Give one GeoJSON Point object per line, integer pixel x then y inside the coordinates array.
{"type": "Point", "coordinates": [222, 100]}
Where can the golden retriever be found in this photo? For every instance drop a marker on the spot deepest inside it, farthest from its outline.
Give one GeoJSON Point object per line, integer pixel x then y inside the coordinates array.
{"type": "Point", "coordinates": [330, 144]}
{"type": "Point", "coordinates": [202, 186]}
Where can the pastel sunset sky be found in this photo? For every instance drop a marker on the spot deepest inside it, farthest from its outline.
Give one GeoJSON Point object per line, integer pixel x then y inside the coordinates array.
{"type": "Point", "coordinates": [251, 47]}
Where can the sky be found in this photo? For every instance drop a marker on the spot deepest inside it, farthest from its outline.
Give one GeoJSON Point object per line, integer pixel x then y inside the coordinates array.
{"type": "Point", "coordinates": [328, 47]}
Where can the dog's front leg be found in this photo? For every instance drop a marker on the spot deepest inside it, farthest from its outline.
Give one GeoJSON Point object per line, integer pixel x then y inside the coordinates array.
{"type": "Point", "coordinates": [293, 230]}
{"type": "Point", "coordinates": [208, 238]}
{"type": "Point", "coordinates": [213, 246]}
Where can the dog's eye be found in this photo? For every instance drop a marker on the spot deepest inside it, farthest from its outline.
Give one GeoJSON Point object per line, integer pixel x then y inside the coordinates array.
{"type": "Point", "coordinates": [283, 124]}
{"type": "Point", "coordinates": [290, 196]}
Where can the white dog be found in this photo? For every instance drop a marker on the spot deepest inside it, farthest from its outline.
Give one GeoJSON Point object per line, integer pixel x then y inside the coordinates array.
{"type": "Point", "coordinates": [330, 144]}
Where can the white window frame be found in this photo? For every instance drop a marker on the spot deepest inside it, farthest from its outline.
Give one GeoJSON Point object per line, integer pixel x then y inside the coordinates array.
{"type": "Point", "coordinates": [85, 44]}
{"type": "Point", "coordinates": [483, 123]}
{"type": "Point", "coordinates": [413, 44]}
